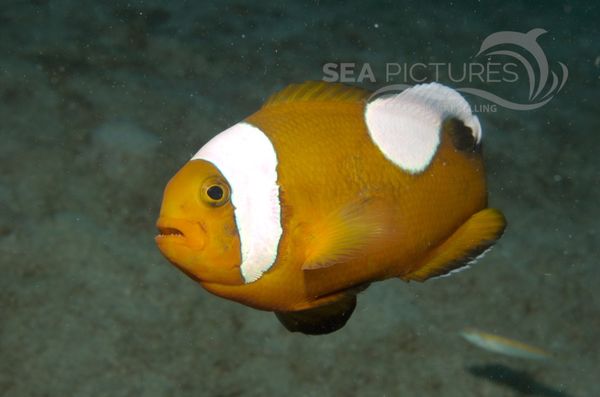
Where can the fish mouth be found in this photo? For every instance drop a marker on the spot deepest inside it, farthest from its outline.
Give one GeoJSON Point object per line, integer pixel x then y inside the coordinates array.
{"type": "Point", "coordinates": [167, 231]}
{"type": "Point", "coordinates": [181, 232]}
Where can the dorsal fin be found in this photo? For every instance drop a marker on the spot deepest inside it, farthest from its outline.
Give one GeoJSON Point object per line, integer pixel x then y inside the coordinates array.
{"type": "Point", "coordinates": [317, 91]}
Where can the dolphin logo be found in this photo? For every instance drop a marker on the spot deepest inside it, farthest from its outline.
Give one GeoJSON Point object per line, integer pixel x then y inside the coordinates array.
{"type": "Point", "coordinates": [544, 83]}
{"type": "Point", "coordinates": [528, 42]}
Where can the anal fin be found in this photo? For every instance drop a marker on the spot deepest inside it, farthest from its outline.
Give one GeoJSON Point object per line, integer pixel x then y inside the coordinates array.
{"type": "Point", "coordinates": [321, 319]}
{"type": "Point", "coordinates": [470, 240]}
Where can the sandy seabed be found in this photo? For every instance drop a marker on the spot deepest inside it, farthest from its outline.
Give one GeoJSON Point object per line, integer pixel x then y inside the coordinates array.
{"type": "Point", "coordinates": [100, 103]}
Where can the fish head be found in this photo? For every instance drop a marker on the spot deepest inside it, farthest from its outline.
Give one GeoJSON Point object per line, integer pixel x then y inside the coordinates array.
{"type": "Point", "coordinates": [197, 228]}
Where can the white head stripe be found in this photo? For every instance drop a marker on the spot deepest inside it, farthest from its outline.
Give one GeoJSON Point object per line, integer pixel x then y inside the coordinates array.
{"type": "Point", "coordinates": [406, 127]}
{"type": "Point", "coordinates": [247, 159]}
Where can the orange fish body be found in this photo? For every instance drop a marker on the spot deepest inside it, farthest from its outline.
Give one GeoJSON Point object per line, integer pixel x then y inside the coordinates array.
{"type": "Point", "coordinates": [345, 208]}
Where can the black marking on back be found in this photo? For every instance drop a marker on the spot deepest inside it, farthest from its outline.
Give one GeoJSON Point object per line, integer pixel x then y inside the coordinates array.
{"type": "Point", "coordinates": [461, 135]}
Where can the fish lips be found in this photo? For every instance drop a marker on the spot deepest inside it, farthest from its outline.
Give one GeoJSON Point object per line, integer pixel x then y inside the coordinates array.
{"type": "Point", "coordinates": [180, 231]}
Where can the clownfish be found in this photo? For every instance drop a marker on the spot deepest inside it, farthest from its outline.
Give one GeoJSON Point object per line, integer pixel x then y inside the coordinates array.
{"type": "Point", "coordinates": [324, 190]}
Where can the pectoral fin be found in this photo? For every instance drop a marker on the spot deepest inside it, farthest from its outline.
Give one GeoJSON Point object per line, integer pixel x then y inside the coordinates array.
{"type": "Point", "coordinates": [319, 320]}
{"type": "Point", "coordinates": [470, 240]}
{"type": "Point", "coordinates": [341, 235]}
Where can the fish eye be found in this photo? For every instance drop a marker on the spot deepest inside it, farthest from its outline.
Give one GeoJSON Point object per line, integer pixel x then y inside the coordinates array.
{"type": "Point", "coordinates": [214, 192]}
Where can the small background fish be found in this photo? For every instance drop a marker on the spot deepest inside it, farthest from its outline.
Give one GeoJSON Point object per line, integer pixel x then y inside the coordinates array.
{"type": "Point", "coordinates": [502, 345]}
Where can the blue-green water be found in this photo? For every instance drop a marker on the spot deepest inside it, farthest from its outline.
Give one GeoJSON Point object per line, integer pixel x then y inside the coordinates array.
{"type": "Point", "coordinates": [101, 102]}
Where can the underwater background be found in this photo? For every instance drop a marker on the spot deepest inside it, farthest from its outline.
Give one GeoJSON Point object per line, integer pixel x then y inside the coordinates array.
{"type": "Point", "coordinates": [102, 102]}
